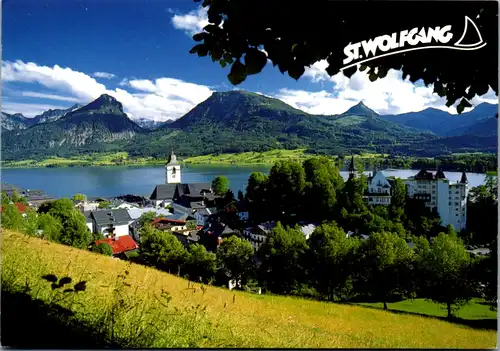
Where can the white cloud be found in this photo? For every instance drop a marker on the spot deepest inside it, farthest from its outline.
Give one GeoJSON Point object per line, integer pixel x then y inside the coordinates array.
{"type": "Point", "coordinates": [162, 99]}
{"type": "Point", "coordinates": [28, 109]}
{"type": "Point", "coordinates": [391, 95]}
{"type": "Point", "coordinates": [104, 75]}
{"type": "Point", "coordinates": [193, 22]}
{"type": "Point", "coordinates": [34, 94]}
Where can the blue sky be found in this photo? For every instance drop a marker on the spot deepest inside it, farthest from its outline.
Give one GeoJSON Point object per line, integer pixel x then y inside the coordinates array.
{"type": "Point", "coordinates": [60, 52]}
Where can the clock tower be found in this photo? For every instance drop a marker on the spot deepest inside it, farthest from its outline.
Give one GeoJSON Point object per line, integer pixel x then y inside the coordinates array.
{"type": "Point", "coordinates": [172, 170]}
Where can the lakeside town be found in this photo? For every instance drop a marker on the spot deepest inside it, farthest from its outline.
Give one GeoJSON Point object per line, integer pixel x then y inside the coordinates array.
{"type": "Point", "coordinates": [191, 211]}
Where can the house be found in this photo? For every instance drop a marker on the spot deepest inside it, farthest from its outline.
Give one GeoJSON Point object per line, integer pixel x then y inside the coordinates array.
{"type": "Point", "coordinates": [379, 189]}
{"type": "Point", "coordinates": [20, 207]}
{"type": "Point", "coordinates": [170, 224]}
{"type": "Point", "coordinates": [202, 215]}
{"type": "Point", "coordinates": [126, 205]}
{"type": "Point", "coordinates": [163, 195]}
{"type": "Point", "coordinates": [307, 229]}
{"type": "Point", "coordinates": [257, 235]}
{"type": "Point", "coordinates": [120, 244]}
{"type": "Point", "coordinates": [242, 210]}
{"type": "Point", "coordinates": [10, 189]}
{"type": "Point", "coordinates": [187, 238]}
{"type": "Point", "coordinates": [86, 205]}
{"type": "Point", "coordinates": [190, 196]}
{"type": "Point", "coordinates": [437, 192]}
{"type": "Point", "coordinates": [89, 221]}
{"type": "Point", "coordinates": [136, 213]}
{"type": "Point", "coordinates": [111, 223]}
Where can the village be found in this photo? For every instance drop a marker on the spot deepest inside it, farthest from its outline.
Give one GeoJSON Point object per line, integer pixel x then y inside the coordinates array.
{"type": "Point", "coordinates": [193, 214]}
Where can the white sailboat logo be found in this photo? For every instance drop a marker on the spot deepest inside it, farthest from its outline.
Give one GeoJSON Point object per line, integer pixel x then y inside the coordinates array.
{"type": "Point", "coordinates": [480, 39]}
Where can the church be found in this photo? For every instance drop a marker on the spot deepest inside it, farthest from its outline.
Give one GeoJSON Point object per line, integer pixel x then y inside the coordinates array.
{"type": "Point", "coordinates": [185, 198]}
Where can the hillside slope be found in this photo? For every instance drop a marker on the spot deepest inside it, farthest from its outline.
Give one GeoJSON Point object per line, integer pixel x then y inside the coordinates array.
{"type": "Point", "coordinates": [443, 123]}
{"type": "Point", "coordinates": [215, 317]}
{"type": "Point", "coordinates": [100, 122]}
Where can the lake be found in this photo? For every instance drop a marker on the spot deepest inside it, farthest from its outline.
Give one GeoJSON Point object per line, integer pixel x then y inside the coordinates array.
{"type": "Point", "coordinates": [141, 180]}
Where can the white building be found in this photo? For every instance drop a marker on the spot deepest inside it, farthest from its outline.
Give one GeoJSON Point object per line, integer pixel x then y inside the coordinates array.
{"type": "Point", "coordinates": [172, 170]}
{"type": "Point", "coordinates": [379, 189]}
{"type": "Point", "coordinates": [449, 199]}
{"type": "Point", "coordinates": [257, 235]}
{"type": "Point", "coordinates": [110, 223]}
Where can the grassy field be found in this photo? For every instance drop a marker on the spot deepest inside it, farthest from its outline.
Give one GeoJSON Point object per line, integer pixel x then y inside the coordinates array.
{"type": "Point", "coordinates": [177, 313]}
{"type": "Point", "coordinates": [472, 311]}
{"type": "Point", "coordinates": [268, 157]}
{"type": "Point", "coordinates": [98, 159]}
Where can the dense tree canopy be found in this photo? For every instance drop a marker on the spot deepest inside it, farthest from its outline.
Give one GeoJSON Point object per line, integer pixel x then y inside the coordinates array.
{"type": "Point", "coordinates": [248, 33]}
{"type": "Point", "coordinates": [220, 185]}
{"type": "Point", "coordinates": [283, 259]}
{"type": "Point", "coordinates": [446, 265]}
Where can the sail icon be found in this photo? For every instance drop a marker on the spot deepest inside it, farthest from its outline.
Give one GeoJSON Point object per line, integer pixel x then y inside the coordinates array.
{"type": "Point", "coordinates": [474, 36]}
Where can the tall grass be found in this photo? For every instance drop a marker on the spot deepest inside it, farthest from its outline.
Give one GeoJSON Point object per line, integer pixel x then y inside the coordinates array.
{"type": "Point", "coordinates": [128, 305]}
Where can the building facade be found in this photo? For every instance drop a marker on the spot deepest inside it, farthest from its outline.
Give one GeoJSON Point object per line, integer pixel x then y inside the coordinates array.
{"type": "Point", "coordinates": [436, 191]}
{"type": "Point", "coordinates": [379, 190]}
{"type": "Point", "coordinates": [172, 170]}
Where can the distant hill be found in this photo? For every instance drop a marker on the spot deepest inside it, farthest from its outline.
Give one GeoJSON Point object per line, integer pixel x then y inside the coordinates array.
{"type": "Point", "coordinates": [13, 121]}
{"type": "Point", "coordinates": [443, 123]}
{"type": "Point", "coordinates": [100, 122]}
{"type": "Point", "coordinates": [239, 121]}
{"type": "Point", "coordinates": [52, 115]}
{"type": "Point", "coordinates": [148, 123]}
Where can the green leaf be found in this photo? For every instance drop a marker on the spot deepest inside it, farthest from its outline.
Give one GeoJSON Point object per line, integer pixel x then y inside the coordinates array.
{"type": "Point", "coordinates": [362, 68]}
{"type": "Point", "coordinates": [238, 73]}
{"type": "Point", "coordinates": [372, 77]}
{"type": "Point", "coordinates": [222, 63]}
{"type": "Point", "coordinates": [255, 60]}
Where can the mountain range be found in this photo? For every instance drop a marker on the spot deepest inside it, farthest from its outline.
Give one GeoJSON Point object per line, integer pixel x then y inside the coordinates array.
{"type": "Point", "coordinates": [238, 121]}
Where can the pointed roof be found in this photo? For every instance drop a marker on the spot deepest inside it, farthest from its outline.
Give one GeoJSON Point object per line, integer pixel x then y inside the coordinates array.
{"type": "Point", "coordinates": [440, 174]}
{"type": "Point", "coordinates": [351, 166]}
{"type": "Point", "coordinates": [464, 180]}
{"type": "Point", "coordinates": [172, 159]}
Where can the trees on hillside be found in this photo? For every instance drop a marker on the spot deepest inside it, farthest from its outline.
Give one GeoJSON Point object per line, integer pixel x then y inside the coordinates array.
{"type": "Point", "coordinates": [162, 249]}
{"type": "Point", "coordinates": [234, 259]}
{"type": "Point", "coordinates": [283, 259]}
{"type": "Point", "coordinates": [220, 185]}
{"type": "Point", "coordinates": [446, 266]}
{"type": "Point", "coordinates": [11, 217]}
{"type": "Point", "coordinates": [482, 212]}
{"type": "Point", "coordinates": [329, 255]}
{"type": "Point", "coordinates": [246, 34]}
{"type": "Point", "coordinates": [323, 182]}
{"type": "Point", "coordinates": [200, 265]}
{"type": "Point", "coordinates": [74, 228]}
{"type": "Point", "coordinates": [103, 249]}
{"type": "Point", "coordinates": [383, 267]}
{"type": "Point", "coordinates": [256, 195]}
{"type": "Point", "coordinates": [285, 188]}
{"type": "Point", "coordinates": [79, 197]}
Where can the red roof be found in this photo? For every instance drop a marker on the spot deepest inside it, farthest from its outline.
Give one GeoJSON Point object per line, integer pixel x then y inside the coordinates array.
{"type": "Point", "coordinates": [121, 244]}
{"type": "Point", "coordinates": [168, 220]}
{"type": "Point", "coordinates": [20, 207]}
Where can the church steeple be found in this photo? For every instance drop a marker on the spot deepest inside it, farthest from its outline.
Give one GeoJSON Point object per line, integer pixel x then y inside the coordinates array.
{"type": "Point", "coordinates": [464, 180]}
{"type": "Point", "coordinates": [352, 170]}
{"type": "Point", "coordinates": [172, 170]}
